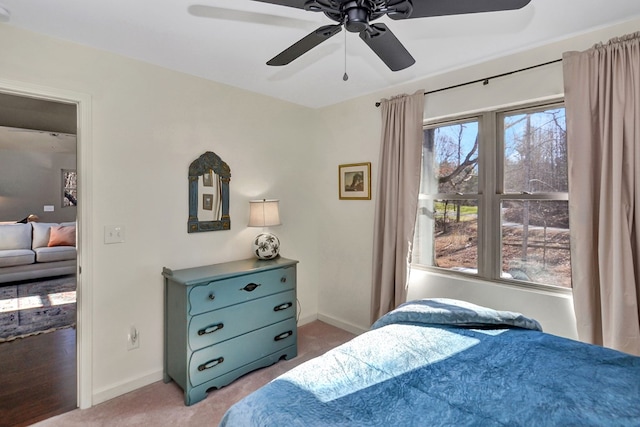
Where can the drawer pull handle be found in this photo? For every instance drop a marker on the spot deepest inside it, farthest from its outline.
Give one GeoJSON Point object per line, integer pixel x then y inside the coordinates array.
{"type": "Point", "coordinates": [211, 329]}
{"type": "Point", "coordinates": [212, 296]}
{"type": "Point", "coordinates": [283, 336]}
{"type": "Point", "coordinates": [211, 364]}
{"type": "Point", "coordinates": [283, 279]}
{"type": "Point", "coordinates": [250, 287]}
{"type": "Point", "coordinates": [282, 306]}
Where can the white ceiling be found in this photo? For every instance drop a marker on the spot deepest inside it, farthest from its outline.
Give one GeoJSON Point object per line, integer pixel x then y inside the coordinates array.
{"type": "Point", "coordinates": [229, 41]}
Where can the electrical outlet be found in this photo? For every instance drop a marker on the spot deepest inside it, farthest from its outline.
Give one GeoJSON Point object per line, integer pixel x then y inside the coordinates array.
{"type": "Point", "coordinates": [133, 338]}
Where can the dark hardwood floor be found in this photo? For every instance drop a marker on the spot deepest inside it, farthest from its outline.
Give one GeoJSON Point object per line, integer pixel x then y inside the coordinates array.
{"type": "Point", "coordinates": [37, 377]}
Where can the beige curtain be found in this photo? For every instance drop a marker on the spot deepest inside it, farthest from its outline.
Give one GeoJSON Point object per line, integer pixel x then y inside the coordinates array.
{"type": "Point", "coordinates": [396, 200]}
{"type": "Point", "coordinates": [602, 99]}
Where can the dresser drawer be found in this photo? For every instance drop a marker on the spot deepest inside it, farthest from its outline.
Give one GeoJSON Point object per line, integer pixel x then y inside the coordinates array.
{"type": "Point", "coordinates": [211, 362]}
{"type": "Point", "coordinates": [222, 293]}
{"type": "Point", "coordinates": [220, 325]}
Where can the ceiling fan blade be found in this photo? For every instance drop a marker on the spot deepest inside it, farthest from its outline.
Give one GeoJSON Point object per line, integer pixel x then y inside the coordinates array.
{"type": "Point", "coordinates": [291, 3]}
{"type": "Point", "coordinates": [426, 8]}
{"type": "Point", "coordinates": [385, 44]}
{"type": "Point", "coordinates": [305, 44]}
{"type": "Point", "coordinates": [213, 12]}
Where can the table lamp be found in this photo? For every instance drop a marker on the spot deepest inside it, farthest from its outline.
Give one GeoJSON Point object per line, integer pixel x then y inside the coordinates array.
{"type": "Point", "coordinates": [264, 213]}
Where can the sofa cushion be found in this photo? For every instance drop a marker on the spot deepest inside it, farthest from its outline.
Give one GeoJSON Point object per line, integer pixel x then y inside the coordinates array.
{"type": "Point", "coordinates": [41, 232]}
{"type": "Point", "coordinates": [37, 270]}
{"type": "Point", "coordinates": [56, 253]}
{"type": "Point", "coordinates": [62, 235]}
{"type": "Point", "coordinates": [12, 257]}
{"type": "Point", "coordinates": [15, 236]}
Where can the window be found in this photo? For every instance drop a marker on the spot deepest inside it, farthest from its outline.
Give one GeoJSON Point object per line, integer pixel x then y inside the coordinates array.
{"type": "Point", "coordinates": [494, 197]}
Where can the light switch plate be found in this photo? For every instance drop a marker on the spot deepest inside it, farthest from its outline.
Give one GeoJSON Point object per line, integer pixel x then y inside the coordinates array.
{"type": "Point", "coordinates": [48, 208]}
{"type": "Point", "coordinates": [113, 234]}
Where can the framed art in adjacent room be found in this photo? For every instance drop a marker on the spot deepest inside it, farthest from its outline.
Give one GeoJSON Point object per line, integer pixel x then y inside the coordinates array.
{"type": "Point", "coordinates": [69, 188]}
{"type": "Point", "coordinates": [207, 178]}
{"type": "Point", "coordinates": [207, 202]}
{"type": "Point", "coordinates": [354, 181]}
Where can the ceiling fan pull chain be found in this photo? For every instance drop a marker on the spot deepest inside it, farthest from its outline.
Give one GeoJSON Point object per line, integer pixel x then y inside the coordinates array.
{"type": "Point", "coordinates": [345, 77]}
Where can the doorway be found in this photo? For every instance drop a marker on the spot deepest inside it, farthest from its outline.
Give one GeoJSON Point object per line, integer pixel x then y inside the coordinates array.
{"type": "Point", "coordinates": [37, 339]}
{"type": "Point", "coordinates": [79, 104]}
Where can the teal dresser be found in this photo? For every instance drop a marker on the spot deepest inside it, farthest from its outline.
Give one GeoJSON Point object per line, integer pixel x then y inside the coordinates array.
{"type": "Point", "coordinates": [225, 320]}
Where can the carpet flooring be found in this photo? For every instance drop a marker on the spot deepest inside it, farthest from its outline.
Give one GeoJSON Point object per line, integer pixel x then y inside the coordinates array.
{"type": "Point", "coordinates": [28, 308]}
{"type": "Point", "coordinates": [161, 404]}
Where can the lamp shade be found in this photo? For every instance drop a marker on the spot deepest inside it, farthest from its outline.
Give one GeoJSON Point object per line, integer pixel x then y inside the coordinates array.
{"type": "Point", "coordinates": [263, 213]}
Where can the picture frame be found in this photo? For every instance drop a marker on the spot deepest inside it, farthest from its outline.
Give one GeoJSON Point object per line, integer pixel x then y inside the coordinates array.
{"type": "Point", "coordinates": [207, 202]}
{"type": "Point", "coordinates": [207, 178]}
{"type": "Point", "coordinates": [69, 188]}
{"type": "Point", "coordinates": [354, 181]}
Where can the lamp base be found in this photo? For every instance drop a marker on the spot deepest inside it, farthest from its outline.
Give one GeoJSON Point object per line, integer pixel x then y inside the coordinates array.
{"type": "Point", "coordinates": [266, 246]}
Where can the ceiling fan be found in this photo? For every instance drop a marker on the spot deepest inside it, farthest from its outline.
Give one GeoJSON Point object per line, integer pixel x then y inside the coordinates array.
{"type": "Point", "coordinates": [356, 17]}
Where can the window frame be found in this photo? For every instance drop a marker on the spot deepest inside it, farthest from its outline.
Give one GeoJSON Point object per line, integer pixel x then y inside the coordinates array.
{"type": "Point", "coordinates": [491, 192]}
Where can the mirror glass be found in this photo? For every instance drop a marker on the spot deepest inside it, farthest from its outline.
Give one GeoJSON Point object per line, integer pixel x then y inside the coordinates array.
{"type": "Point", "coordinates": [209, 178]}
{"type": "Point", "coordinates": [210, 197]}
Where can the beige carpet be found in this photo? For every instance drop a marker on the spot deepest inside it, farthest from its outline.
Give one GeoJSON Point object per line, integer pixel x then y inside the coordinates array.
{"type": "Point", "coordinates": [162, 404]}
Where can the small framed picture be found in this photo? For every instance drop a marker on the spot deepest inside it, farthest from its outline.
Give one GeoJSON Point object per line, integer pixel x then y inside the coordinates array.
{"type": "Point", "coordinates": [207, 202]}
{"type": "Point", "coordinates": [69, 188]}
{"type": "Point", "coordinates": [354, 181]}
{"type": "Point", "coordinates": [207, 178]}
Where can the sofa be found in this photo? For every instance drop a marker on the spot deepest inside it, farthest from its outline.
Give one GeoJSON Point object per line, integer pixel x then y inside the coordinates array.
{"type": "Point", "coordinates": [37, 250]}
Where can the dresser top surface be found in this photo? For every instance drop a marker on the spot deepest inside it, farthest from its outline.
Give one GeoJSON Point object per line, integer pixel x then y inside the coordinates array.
{"type": "Point", "coordinates": [189, 276]}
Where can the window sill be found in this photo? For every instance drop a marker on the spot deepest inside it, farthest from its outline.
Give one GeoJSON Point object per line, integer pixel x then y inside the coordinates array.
{"type": "Point", "coordinates": [512, 284]}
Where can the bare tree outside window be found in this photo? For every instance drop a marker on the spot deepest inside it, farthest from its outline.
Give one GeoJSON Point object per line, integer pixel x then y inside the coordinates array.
{"type": "Point", "coordinates": [448, 207]}
{"type": "Point", "coordinates": [535, 218]}
{"type": "Point", "coordinates": [523, 197]}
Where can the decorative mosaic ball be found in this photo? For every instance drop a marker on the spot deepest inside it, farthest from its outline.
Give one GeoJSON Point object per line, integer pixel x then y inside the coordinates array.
{"type": "Point", "coordinates": [266, 246]}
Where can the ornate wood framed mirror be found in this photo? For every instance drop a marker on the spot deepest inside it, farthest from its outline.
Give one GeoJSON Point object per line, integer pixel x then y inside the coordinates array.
{"type": "Point", "coordinates": [209, 178]}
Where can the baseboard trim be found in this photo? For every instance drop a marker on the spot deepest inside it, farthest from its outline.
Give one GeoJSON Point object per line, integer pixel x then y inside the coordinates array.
{"type": "Point", "coordinates": [109, 393]}
{"type": "Point", "coordinates": [342, 324]}
{"type": "Point", "coordinates": [114, 391]}
{"type": "Point", "coordinates": [307, 319]}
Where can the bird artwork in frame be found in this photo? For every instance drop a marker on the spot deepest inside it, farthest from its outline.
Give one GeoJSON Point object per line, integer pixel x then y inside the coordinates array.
{"type": "Point", "coordinates": [354, 181]}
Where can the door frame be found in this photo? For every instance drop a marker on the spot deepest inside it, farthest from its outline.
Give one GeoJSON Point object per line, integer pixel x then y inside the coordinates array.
{"type": "Point", "coordinates": [84, 216]}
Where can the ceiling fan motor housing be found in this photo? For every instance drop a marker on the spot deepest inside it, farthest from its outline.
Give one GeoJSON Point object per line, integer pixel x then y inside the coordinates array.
{"type": "Point", "coordinates": [354, 14]}
{"type": "Point", "coordinates": [357, 16]}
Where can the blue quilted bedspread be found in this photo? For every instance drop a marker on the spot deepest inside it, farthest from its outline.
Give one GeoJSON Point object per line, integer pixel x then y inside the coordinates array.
{"type": "Point", "coordinates": [446, 362]}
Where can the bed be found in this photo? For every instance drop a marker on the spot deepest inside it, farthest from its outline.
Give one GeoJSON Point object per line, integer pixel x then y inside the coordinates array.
{"type": "Point", "coordinates": [449, 362]}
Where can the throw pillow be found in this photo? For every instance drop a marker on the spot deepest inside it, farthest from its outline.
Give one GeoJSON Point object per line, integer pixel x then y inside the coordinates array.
{"type": "Point", "coordinates": [62, 235]}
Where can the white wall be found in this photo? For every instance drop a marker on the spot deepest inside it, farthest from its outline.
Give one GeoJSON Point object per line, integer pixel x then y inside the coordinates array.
{"type": "Point", "coordinates": [353, 130]}
{"type": "Point", "coordinates": [148, 125]}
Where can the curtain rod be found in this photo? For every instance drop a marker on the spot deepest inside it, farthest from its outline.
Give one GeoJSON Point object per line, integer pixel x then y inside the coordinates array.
{"type": "Point", "coordinates": [485, 81]}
